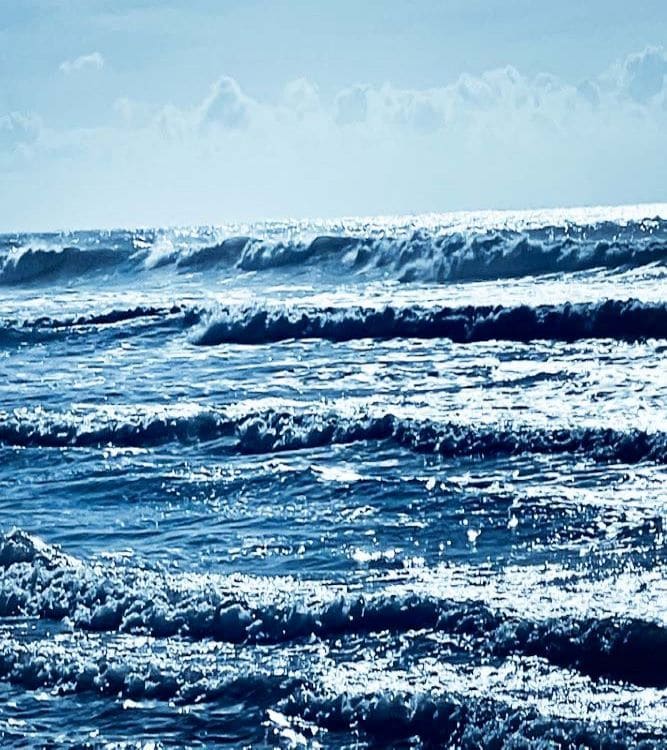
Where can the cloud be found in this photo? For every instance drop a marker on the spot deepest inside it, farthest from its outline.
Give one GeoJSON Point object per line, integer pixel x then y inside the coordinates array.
{"type": "Point", "coordinates": [643, 73]}
{"type": "Point", "coordinates": [351, 105]}
{"type": "Point", "coordinates": [93, 61]}
{"type": "Point", "coordinates": [497, 139]}
{"type": "Point", "coordinates": [301, 96]}
{"type": "Point", "coordinates": [226, 105]}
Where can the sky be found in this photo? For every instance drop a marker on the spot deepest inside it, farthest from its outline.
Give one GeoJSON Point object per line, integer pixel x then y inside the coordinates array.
{"type": "Point", "coordinates": [171, 112]}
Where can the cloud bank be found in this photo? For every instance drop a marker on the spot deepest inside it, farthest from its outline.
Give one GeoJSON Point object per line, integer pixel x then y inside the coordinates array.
{"type": "Point", "coordinates": [499, 139]}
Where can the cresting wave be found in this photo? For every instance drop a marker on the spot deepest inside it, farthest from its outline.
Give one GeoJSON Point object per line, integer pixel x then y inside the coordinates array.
{"type": "Point", "coordinates": [418, 255]}
{"type": "Point", "coordinates": [625, 320]}
{"type": "Point", "coordinates": [275, 431]}
{"type": "Point", "coordinates": [40, 581]}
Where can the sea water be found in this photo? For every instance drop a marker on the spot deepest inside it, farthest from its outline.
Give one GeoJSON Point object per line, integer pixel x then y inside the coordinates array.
{"type": "Point", "coordinates": [392, 481]}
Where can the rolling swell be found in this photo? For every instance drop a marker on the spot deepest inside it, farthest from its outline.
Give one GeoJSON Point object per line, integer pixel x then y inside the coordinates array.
{"type": "Point", "coordinates": [41, 581]}
{"type": "Point", "coordinates": [624, 320]}
{"type": "Point", "coordinates": [274, 431]}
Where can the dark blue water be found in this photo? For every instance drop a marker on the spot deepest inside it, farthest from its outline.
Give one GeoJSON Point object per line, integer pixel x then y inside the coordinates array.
{"type": "Point", "coordinates": [359, 483]}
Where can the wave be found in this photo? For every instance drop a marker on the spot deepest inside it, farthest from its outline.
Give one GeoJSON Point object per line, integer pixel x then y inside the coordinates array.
{"type": "Point", "coordinates": [432, 256]}
{"type": "Point", "coordinates": [298, 707]}
{"type": "Point", "coordinates": [121, 669]}
{"type": "Point", "coordinates": [26, 264]}
{"type": "Point", "coordinates": [615, 319]}
{"type": "Point", "coordinates": [274, 431]}
{"type": "Point", "coordinates": [124, 321]}
{"type": "Point", "coordinates": [454, 721]}
{"type": "Point", "coordinates": [415, 253]}
{"type": "Point", "coordinates": [41, 581]}
{"type": "Point", "coordinates": [626, 320]}
{"type": "Point", "coordinates": [113, 426]}
{"type": "Point", "coordinates": [279, 693]}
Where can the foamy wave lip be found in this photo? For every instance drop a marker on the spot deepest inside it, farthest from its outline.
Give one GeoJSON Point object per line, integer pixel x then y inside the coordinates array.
{"type": "Point", "coordinates": [41, 581]}
{"type": "Point", "coordinates": [615, 319]}
{"type": "Point", "coordinates": [128, 667]}
{"type": "Point", "coordinates": [297, 707]}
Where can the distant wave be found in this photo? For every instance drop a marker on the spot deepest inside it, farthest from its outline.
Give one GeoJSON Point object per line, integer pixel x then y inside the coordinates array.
{"type": "Point", "coordinates": [423, 254]}
{"type": "Point", "coordinates": [41, 581]}
{"type": "Point", "coordinates": [275, 431]}
{"type": "Point", "coordinates": [630, 320]}
{"type": "Point", "coordinates": [26, 264]}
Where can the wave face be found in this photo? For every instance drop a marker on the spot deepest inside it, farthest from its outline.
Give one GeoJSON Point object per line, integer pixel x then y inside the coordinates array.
{"type": "Point", "coordinates": [27, 265]}
{"type": "Point", "coordinates": [626, 320]}
{"type": "Point", "coordinates": [437, 252]}
{"type": "Point", "coordinates": [376, 482]}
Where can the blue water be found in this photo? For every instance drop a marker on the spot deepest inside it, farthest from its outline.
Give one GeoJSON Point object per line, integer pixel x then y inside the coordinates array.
{"type": "Point", "coordinates": [357, 483]}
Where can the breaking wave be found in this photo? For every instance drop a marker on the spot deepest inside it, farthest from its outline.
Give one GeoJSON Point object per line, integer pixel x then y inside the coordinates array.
{"type": "Point", "coordinates": [423, 254]}
{"type": "Point", "coordinates": [440, 257]}
{"type": "Point", "coordinates": [626, 320]}
{"type": "Point", "coordinates": [41, 581]}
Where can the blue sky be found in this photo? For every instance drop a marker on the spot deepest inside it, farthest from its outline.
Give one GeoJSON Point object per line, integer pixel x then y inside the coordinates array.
{"type": "Point", "coordinates": [131, 112]}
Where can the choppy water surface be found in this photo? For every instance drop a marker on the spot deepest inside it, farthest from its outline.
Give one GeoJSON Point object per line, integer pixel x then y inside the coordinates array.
{"type": "Point", "coordinates": [389, 482]}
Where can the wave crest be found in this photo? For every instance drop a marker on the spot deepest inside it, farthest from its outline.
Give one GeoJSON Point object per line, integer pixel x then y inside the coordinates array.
{"type": "Point", "coordinates": [615, 319]}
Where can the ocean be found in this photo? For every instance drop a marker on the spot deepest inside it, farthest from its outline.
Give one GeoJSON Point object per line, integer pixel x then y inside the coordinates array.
{"type": "Point", "coordinates": [373, 482]}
